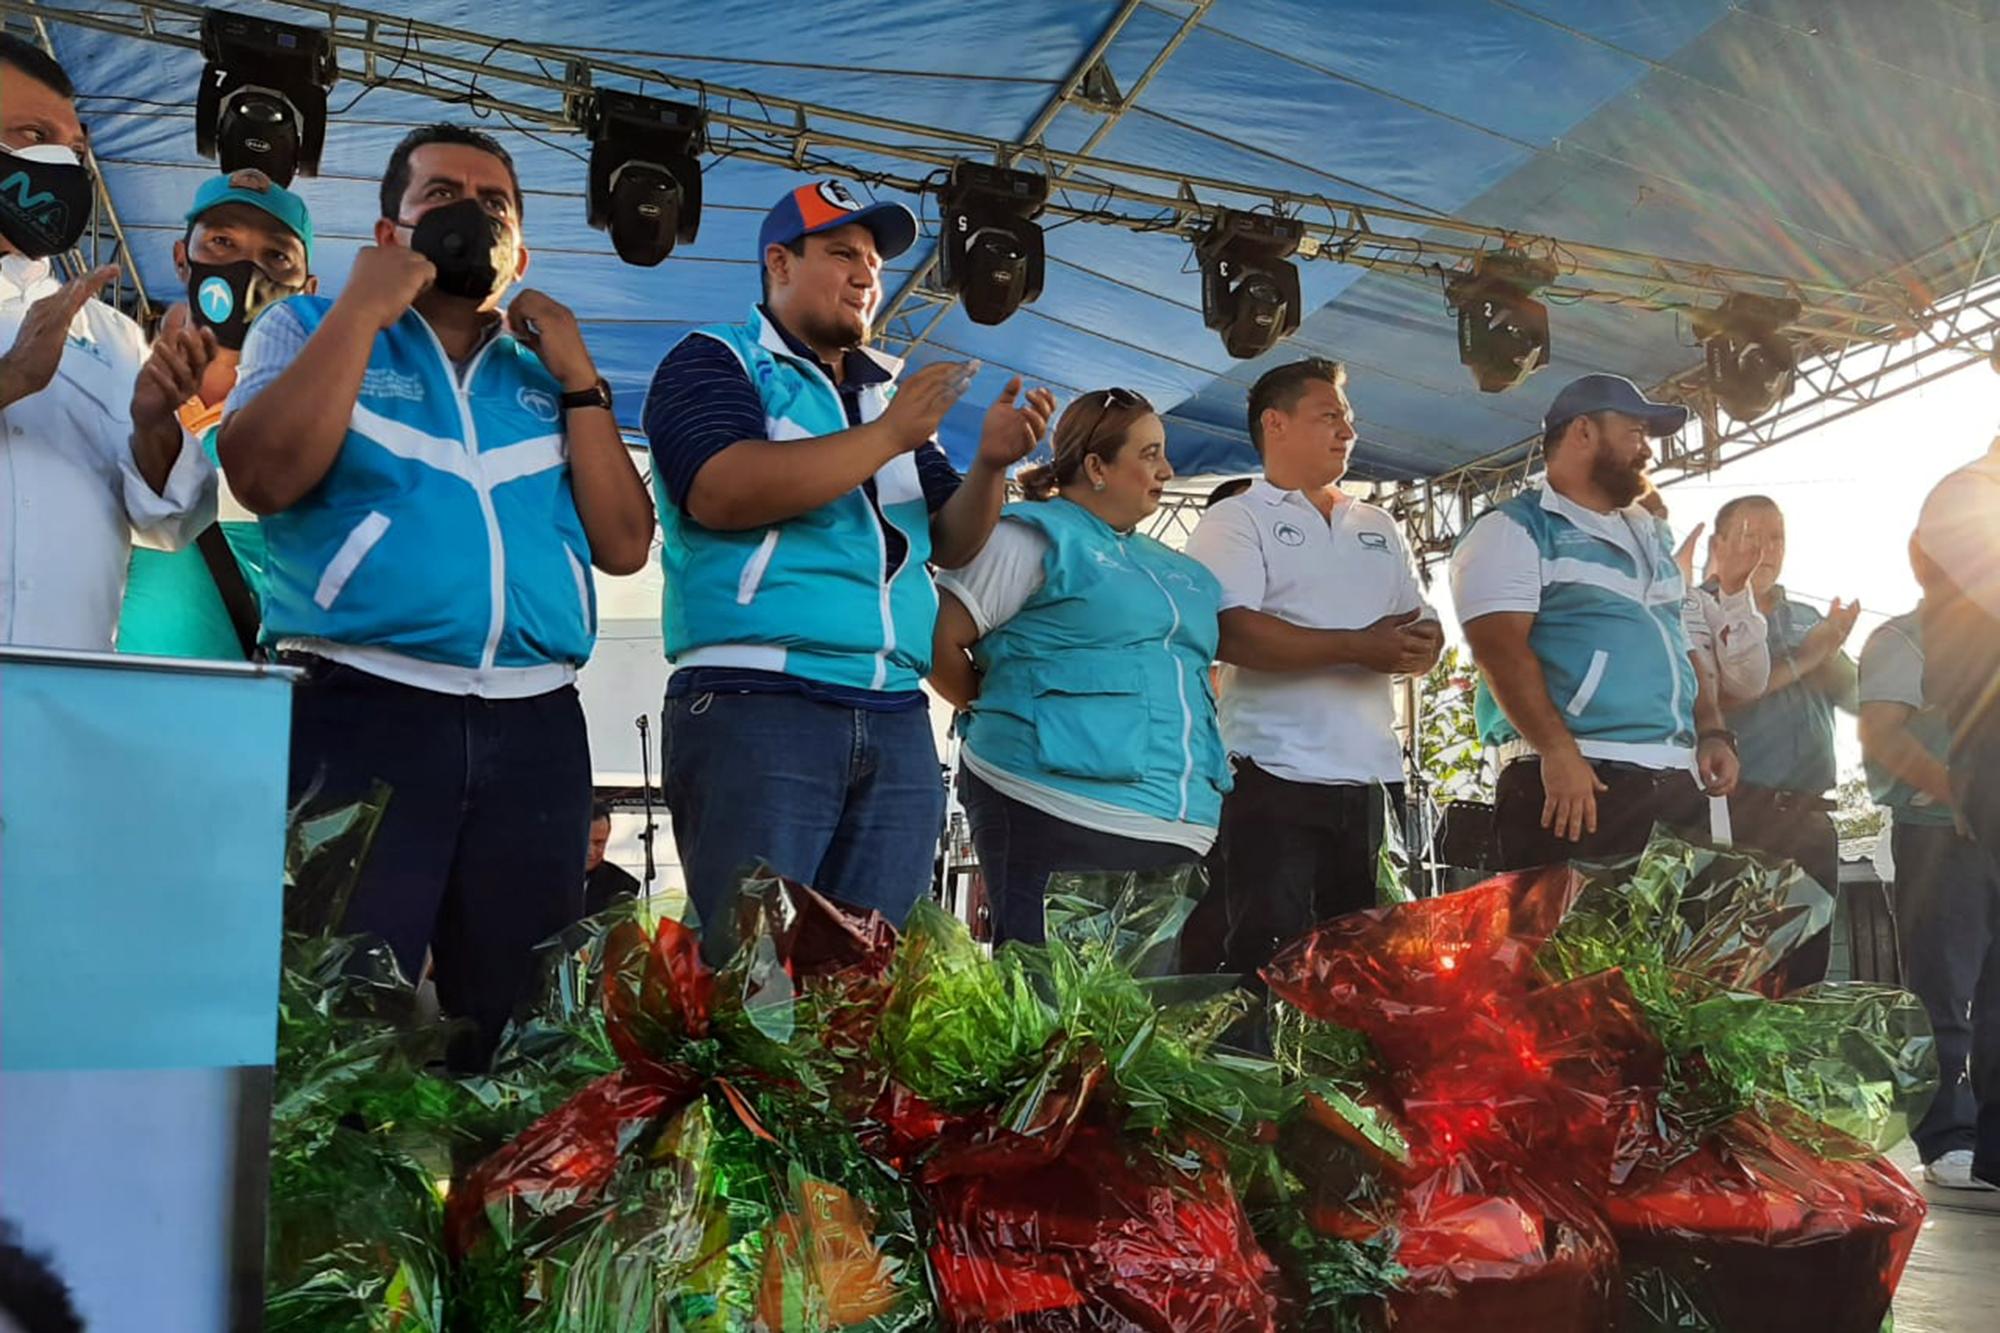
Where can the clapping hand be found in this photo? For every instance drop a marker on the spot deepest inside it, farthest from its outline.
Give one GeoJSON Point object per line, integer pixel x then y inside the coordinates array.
{"type": "Point", "coordinates": [31, 362]}
{"type": "Point", "coordinates": [1010, 433]}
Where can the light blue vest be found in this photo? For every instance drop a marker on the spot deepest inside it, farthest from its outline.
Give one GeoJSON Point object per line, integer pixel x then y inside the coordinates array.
{"type": "Point", "coordinates": [446, 530]}
{"type": "Point", "coordinates": [808, 596]}
{"type": "Point", "coordinates": [1098, 687]}
{"type": "Point", "coordinates": [1609, 638]}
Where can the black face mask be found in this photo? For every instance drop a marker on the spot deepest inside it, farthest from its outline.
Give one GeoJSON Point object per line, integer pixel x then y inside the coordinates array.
{"type": "Point", "coordinates": [45, 196]}
{"type": "Point", "coordinates": [470, 248]}
{"type": "Point", "coordinates": [226, 297]}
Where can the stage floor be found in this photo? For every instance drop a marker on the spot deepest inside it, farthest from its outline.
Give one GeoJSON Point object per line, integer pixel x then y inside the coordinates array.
{"type": "Point", "coordinates": [1953, 1282]}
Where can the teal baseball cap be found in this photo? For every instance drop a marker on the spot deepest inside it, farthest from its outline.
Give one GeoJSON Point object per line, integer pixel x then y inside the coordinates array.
{"type": "Point", "coordinates": [253, 187]}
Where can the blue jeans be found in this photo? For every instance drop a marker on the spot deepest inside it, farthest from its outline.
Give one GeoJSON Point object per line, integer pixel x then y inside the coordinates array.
{"type": "Point", "coordinates": [479, 856]}
{"type": "Point", "coordinates": [1020, 847]}
{"type": "Point", "coordinates": [1948, 932]}
{"type": "Point", "coordinates": [846, 800]}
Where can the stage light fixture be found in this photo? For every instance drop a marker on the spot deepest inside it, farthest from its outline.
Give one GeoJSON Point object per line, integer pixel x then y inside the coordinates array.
{"type": "Point", "coordinates": [645, 176]}
{"type": "Point", "coordinates": [990, 255]}
{"type": "Point", "coordinates": [1751, 363]}
{"type": "Point", "coordinates": [1249, 289]}
{"type": "Point", "coordinates": [1503, 332]}
{"type": "Point", "coordinates": [262, 101]}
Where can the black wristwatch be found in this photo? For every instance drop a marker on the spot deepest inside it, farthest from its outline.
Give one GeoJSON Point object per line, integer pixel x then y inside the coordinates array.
{"type": "Point", "coordinates": [1723, 734]}
{"type": "Point", "coordinates": [597, 395]}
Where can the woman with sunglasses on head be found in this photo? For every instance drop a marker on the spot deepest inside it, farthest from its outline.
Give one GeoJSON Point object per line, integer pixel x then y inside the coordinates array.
{"type": "Point", "coordinates": [1079, 650]}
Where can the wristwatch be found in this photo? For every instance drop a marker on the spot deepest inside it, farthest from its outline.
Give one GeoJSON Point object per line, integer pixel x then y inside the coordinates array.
{"type": "Point", "coordinates": [1723, 734]}
{"type": "Point", "coordinates": [597, 395]}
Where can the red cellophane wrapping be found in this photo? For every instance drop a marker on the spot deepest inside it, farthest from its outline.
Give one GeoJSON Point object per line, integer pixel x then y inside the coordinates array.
{"type": "Point", "coordinates": [563, 1161]}
{"type": "Point", "coordinates": [1772, 1237]}
{"type": "Point", "coordinates": [1112, 1234]}
{"type": "Point", "coordinates": [1540, 1170]}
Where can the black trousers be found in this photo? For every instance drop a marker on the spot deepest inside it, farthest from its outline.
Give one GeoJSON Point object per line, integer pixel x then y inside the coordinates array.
{"type": "Point", "coordinates": [1798, 827]}
{"type": "Point", "coordinates": [1288, 856]}
{"type": "Point", "coordinates": [479, 856]}
{"type": "Point", "coordinates": [1948, 933]}
{"type": "Point", "coordinates": [1633, 801]}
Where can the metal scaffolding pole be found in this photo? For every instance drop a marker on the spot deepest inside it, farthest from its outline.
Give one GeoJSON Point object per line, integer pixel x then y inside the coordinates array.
{"type": "Point", "coordinates": [772, 129]}
{"type": "Point", "coordinates": [1963, 331]}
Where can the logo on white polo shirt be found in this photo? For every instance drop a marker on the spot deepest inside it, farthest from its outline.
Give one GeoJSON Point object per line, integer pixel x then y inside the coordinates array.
{"type": "Point", "coordinates": [1374, 541]}
{"type": "Point", "coordinates": [1288, 534]}
{"type": "Point", "coordinates": [538, 403]}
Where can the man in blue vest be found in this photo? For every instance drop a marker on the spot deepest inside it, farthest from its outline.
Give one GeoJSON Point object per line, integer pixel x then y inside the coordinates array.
{"type": "Point", "coordinates": [435, 479]}
{"type": "Point", "coordinates": [1572, 603]}
{"type": "Point", "coordinates": [801, 496]}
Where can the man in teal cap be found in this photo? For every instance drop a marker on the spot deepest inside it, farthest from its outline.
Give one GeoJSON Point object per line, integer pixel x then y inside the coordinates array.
{"type": "Point", "coordinates": [249, 245]}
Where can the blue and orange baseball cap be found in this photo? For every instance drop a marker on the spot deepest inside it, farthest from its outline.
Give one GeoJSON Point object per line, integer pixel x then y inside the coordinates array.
{"type": "Point", "coordinates": [824, 205]}
{"type": "Point", "coordinates": [254, 188]}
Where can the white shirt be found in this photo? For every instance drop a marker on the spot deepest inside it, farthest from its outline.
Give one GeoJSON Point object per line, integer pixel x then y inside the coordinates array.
{"type": "Point", "coordinates": [1959, 530]}
{"type": "Point", "coordinates": [1497, 567]}
{"type": "Point", "coordinates": [70, 493]}
{"type": "Point", "coordinates": [1274, 552]}
{"type": "Point", "coordinates": [995, 584]}
{"type": "Point", "coordinates": [1731, 632]}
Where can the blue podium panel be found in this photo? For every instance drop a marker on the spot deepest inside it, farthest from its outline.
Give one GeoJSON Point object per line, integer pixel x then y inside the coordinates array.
{"type": "Point", "coordinates": [142, 813]}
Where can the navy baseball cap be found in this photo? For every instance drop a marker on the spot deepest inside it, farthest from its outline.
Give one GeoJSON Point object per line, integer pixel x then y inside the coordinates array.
{"type": "Point", "coordinates": [824, 205]}
{"type": "Point", "coordinates": [1612, 393]}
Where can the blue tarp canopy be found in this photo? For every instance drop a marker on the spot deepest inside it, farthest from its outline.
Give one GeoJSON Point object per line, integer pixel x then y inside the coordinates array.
{"type": "Point", "coordinates": [1828, 140]}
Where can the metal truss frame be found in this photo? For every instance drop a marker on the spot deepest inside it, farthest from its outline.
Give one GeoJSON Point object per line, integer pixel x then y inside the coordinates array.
{"type": "Point", "coordinates": [1842, 379]}
{"type": "Point", "coordinates": [385, 50]}
{"type": "Point", "coordinates": [1909, 326]}
{"type": "Point", "coordinates": [917, 308]}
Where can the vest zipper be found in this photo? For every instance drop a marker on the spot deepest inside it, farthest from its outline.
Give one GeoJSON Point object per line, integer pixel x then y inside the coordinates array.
{"type": "Point", "coordinates": [1180, 686]}
{"type": "Point", "coordinates": [496, 562]}
{"type": "Point", "coordinates": [882, 578]}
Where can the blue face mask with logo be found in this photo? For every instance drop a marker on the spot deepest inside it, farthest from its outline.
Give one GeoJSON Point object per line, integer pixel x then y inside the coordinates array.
{"type": "Point", "coordinates": [44, 199]}
{"type": "Point", "coordinates": [226, 297]}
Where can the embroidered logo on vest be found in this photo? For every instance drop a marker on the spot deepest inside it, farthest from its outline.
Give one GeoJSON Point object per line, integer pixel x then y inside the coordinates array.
{"type": "Point", "coordinates": [538, 403]}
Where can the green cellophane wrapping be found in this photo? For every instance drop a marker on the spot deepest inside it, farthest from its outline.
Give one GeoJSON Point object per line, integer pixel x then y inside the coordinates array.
{"type": "Point", "coordinates": [357, 1133]}
{"type": "Point", "coordinates": [1695, 932]}
{"type": "Point", "coordinates": [710, 1184]}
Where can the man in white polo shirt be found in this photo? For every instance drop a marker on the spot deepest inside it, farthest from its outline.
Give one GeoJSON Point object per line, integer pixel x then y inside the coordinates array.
{"type": "Point", "coordinates": [1604, 720]}
{"type": "Point", "coordinates": [1320, 607]}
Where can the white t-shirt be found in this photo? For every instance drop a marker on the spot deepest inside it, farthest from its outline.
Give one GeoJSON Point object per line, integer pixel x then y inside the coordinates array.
{"type": "Point", "coordinates": [1730, 630]}
{"type": "Point", "coordinates": [993, 587]}
{"type": "Point", "coordinates": [1274, 552]}
{"type": "Point", "coordinates": [1960, 530]}
{"type": "Point", "coordinates": [995, 584]}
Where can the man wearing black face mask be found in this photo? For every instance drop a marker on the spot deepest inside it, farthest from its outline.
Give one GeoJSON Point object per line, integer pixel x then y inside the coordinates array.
{"type": "Point", "coordinates": [91, 448]}
{"type": "Point", "coordinates": [435, 480]}
{"type": "Point", "coordinates": [249, 245]}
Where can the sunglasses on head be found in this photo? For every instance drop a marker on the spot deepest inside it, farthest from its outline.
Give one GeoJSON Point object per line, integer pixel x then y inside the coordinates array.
{"type": "Point", "coordinates": [1108, 399]}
